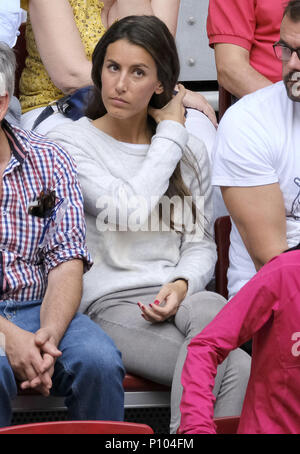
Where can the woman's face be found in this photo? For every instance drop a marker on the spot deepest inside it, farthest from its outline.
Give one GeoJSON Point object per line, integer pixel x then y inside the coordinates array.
{"type": "Point", "coordinates": [129, 79]}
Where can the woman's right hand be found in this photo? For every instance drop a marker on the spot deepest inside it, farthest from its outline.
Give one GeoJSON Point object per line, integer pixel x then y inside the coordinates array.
{"type": "Point", "coordinates": [174, 110]}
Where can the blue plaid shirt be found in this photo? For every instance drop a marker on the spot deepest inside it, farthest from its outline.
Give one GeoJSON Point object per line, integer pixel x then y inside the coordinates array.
{"type": "Point", "coordinates": [31, 246]}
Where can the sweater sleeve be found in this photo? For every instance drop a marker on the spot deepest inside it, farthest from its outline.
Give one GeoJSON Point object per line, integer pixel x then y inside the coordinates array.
{"type": "Point", "coordinates": [143, 191]}
{"type": "Point", "coordinates": [198, 250]}
{"type": "Point", "coordinates": [236, 323]}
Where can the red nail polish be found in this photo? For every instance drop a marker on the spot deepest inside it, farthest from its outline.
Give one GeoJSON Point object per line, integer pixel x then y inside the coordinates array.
{"type": "Point", "coordinates": [156, 302]}
{"type": "Point", "coordinates": [150, 305]}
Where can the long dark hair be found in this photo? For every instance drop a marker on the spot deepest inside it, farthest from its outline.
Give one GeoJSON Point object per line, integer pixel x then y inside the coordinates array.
{"type": "Point", "coordinates": [153, 35]}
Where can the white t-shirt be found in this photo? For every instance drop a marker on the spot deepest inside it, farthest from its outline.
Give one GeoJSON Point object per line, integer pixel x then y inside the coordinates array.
{"type": "Point", "coordinates": [258, 143]}
{"type": "Point", "coordinates": [11, 17]}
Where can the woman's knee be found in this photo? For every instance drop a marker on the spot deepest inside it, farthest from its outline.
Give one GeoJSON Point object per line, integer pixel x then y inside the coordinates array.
{"type": "Point", "coordinates": [241, 363]}
{"type": "Point", "coordinates": [204, 306]}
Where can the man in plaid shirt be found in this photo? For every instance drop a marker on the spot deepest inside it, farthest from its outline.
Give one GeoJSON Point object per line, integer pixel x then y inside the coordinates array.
{"type": "Point", "coordinates": [46, 343]}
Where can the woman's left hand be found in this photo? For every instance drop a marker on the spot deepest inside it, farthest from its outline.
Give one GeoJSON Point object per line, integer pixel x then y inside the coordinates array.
{"type": "Point", "coordinates": [195, 100]}
{"type": "Point", "coordinates": [171, 295]}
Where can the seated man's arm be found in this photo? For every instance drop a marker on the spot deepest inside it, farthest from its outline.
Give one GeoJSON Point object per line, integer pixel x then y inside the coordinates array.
{"type": "Point", "coordinates": [234, 71]}
{"type": "Point", "coordinates": [62, 298]}
{"type": "Point", "coordinates": [259, 215]}
{"type": "Point", "coordinates": [58, 308]}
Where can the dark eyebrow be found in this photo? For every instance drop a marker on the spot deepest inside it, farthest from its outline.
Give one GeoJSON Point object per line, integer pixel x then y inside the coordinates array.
{"type": "Point", "coordinates": [112, 61]}
{"type": "Point", "coordinates": [281, 41]}
{"type": "Point", "coordinates": [141, 65]}
{"type": "Point", "coordinates": [135, 65]}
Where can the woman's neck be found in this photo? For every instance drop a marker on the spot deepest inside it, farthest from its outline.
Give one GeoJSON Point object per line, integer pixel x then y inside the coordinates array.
{"type": "Point", "coordinates": [132, 130]}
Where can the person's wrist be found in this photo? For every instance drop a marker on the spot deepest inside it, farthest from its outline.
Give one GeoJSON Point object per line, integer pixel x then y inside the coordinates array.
{"type": "Point", "coordinates": [52, 334]}
{"type": "Point", "coordinates": [182, 285]}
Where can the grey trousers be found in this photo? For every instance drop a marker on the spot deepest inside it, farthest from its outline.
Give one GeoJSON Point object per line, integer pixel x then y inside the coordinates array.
{"type": "Point", "coordinates": [158, 351]}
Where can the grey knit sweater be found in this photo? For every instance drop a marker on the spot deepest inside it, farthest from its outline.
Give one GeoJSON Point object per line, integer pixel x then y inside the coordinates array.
{"type": "Point", "coordinates": [122, 184]}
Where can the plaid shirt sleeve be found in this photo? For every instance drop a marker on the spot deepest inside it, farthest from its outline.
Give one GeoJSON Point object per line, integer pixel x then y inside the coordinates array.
{"type": "Point", "coordinates": [66, 236]}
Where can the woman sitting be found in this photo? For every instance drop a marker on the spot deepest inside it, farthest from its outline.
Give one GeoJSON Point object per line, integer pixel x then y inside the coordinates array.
{"type": "Point", "coordinates": [148, 205]}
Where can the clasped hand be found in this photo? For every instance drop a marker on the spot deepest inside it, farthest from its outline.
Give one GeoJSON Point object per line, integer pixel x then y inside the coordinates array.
{"type": "Point", "coordinates": [32, 357]}
{"type": "Point", "coordinates": [166, 303]}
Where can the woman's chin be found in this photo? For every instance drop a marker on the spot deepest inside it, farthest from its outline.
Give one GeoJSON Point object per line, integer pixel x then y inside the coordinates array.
{"type": "Point", "coordinates": [120, 115]}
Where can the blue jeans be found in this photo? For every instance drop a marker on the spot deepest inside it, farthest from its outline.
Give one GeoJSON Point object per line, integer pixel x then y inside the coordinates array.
{"type": "Point", "coordinates": [89, 373]}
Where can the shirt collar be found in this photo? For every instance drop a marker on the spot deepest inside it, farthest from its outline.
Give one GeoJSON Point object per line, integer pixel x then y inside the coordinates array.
{"type": "Point", "coordinates": [17, 147]}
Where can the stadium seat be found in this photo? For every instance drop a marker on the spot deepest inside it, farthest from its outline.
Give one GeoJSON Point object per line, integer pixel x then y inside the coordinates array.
{"type": "Point", "coordinates": [222, 238]}
{"type": "Point", "coordinates": [225, 100]}
{"type": "Point", "coordinates": [78, 427]}
{"type": "Point", "coordinates": [139, 392]}
{"type": "Point", "coordinates": [227, 425]}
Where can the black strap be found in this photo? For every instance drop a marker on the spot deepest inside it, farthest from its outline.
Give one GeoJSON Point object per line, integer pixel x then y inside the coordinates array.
{"type": "Point", "coordinates": [43, 115]}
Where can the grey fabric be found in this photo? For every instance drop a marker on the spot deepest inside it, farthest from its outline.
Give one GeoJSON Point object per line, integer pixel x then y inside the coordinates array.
{"type": "Point", "coordinates": [13, 115]}
{"type": "Point", "coordinates": [158, 351]}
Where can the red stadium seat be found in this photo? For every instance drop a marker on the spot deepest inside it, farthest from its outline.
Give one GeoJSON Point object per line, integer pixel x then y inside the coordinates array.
{"type": "Point", "coordinates": [222, 238]}
{"type": "Point", "coordinates": [224, 101]}
{"type": "Point", "coordinates": [227, 425]}
{"type": "Point", "coordinates": [130, 383]}
{"type": "Point", "coordinates": [78, 427]}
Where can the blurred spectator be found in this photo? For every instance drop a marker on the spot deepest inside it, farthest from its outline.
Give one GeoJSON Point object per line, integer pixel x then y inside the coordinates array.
{"type": "Point", "coordinates": [54, 70]}
{"type": "Point", "coordinates": [256, 163]}
{"type": "Point", "coordinates": [11, 17]}
{"type": "Point", "coordinates": [242, 33]}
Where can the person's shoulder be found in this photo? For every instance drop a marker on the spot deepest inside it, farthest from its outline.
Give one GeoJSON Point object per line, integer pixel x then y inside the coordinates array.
{"type": "Point", "coordinates": [70, 128]}
{"type": "Point", "coordinates": [32, 140]}
{"type": "Point", "coordinates": [274, 92]}
{"type": "Point", "coordinates": [42, 147]}
{"type": "Point", "coordinates": [258, 106]}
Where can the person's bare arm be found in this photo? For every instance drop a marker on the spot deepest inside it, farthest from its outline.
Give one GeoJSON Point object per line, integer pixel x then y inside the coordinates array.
{"type": "Point", "coordinates": [59, 44]}
{"type": "Point", "coordinates": [234, 71]}
{"type": "Point", "coordinates": [62, 298]}
{"type": "Point", "coordinates": [166, 10]}
{"type": "Point", "coordinates": [259, 215]}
